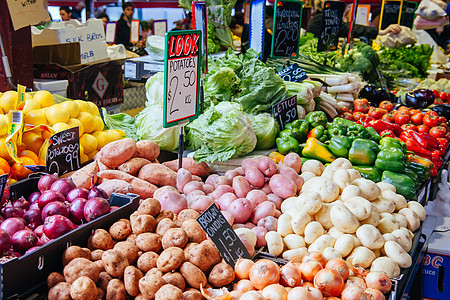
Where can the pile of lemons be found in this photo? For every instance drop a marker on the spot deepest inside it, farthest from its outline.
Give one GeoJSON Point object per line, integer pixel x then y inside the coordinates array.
{"type": "Point", "coordinates": [41, 109]}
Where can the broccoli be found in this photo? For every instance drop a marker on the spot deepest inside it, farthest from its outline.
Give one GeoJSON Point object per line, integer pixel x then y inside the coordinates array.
{"type": "Point", "coordinates": [363, 65]}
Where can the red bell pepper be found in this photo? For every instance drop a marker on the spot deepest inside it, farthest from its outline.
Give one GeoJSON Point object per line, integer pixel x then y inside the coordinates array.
{"type": "Point", "coordinates": [431, 141]}
{"type": "Point", "coordinates": [380, 125]}
{"type": "Point", "coordinates": [418, 138]}
{"type": "Point", "coordinates": [443, 144]}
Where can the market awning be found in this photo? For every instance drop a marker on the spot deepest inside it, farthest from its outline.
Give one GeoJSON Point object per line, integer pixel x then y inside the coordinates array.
{"type": "Point", "coordinates": [137, 4]}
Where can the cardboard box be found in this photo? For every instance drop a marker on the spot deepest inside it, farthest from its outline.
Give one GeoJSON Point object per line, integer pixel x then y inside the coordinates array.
{"type": "Point", "coordinates": [90, 35]}
{"type": "Point", "coordinates": [436, 263]}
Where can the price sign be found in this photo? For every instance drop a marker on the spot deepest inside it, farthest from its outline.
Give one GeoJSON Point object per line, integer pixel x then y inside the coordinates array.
{"type": "Point", "coordinates": [293, 73]}
{"type": "Point", "coordinates": [286, 28]}
{"type": "Point", "coordinates": [181, 76]}
{"type": "Point", "coordinates": [63, 153]}
{"type": "Point", "coordinates": [3, 181]}
{"type": "Point", "coordinates": [159, 27]}
{"type": "Point", "coordinates": [222, 234]}
{"type": "Point", "coordinates": [257, 26]}
{"type": "Point", "coordinates": [408, 13]}
{"type": "Point", "coordinates": [199, 20]}
{"type": "Point", "coordinates": [285, 111]}
{"type": "Point", "coordinates": [331, 25]}
{"type": "Point", "coordinates": [390, 13]}
{"type": "Point", "coordinates": [110, 32]}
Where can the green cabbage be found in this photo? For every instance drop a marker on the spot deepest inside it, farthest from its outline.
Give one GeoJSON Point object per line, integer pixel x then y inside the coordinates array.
{"type": "Point", "coordinates": [220, 85]}
{"type": "Point", "coordinates": [154, 89]}
{"type": "Point", "coordinates": [221, 133]}
{"type": "Point", "coordinates": [155, 47]}
{"type": "Point", "coordinates": [266, 130]}
{"type": "Point", "coordinates": [120, 121]}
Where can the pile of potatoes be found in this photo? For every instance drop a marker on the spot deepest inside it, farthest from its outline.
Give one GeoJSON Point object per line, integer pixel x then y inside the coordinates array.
{"type": "Point", "coordinates": [153, 255]}
{"type": "Point", "coordinates": [342, 215]}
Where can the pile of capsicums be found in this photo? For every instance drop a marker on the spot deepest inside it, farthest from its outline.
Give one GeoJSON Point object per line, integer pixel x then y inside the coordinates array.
{"type": "Point", "coordinates": [379, 150]}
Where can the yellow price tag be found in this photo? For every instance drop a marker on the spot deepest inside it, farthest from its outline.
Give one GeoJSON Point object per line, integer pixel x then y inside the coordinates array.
{"type": "Point", "coordinates": [21, 90]}
{"type": "Point", "coordinates": [15, 125]}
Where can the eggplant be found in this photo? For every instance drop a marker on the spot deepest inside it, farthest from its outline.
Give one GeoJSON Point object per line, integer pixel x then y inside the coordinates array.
{"type": "Point", "coordinates": [442, 110]}
{"type": "Point", "coordinates": [392, 97]}
{"type": "Point", "coordinates": [411, 100]}
{"type": "Point", "coordinates": [427, 96]}
{"type": "Point", "coordinates": [383, 94]}
{"type": "Point", "coordinates": [370, 93]}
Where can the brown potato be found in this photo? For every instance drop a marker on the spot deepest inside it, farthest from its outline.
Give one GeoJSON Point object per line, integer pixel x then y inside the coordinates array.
{"type": "Point", "coordinates": [129, 249]}
{"type": "Point", "coordinates": [187, 214]}
{"type": "Point", "coordinates": [83, 289]}
{"type": "Point", "coordinates": [120, 230]}
{"type": "Point", "coordinates": [100, 240]}
{"type": "Point", "coordinates": [142, 223]}
{"type": "Point", "coordinates": [115, 290]}
{"type": "Point", "coordinates": [154, 271]}
{"type": "Point", "coordinates": [131, 278]}
{"type": "Point", "coordinates": [205, 255]}
{"type": "Point", "coordinates": [97, 254]}
{"type": "Point", "coordinates": [147, 261]}
{"type": "Point", "coordinates": [74, 252]}
{"type": "Point", "coordinates": [80, 267]}
{"type": "Point", "coordinates": [192, 294]}
{"type": "Point", "coordinates": [100, 265]}
{"type": "Point", "coordinates": [221, 275]}
{"type": "Point", "coordinates": [193, 275]}
{"type": "Point", "coordinates": [164, 225]}
{"type": "Point", "coordinates": [175, 279]}
{"type": "Point", "coordinates": [53, 279]}
{"type": "Point", "coordinates": [132, 238]}
{"type": "Point", "coordinates": [164, 214]}
{"type": "Point", "coordinates": [141, 297]}
{"type": "Point", "coordinates": [193, 230]}
{"type": "Point", "coordinates": [169, 291]}
{"type": "Point", "coordinates": [61, 291]}
{"type": "Point", "coordinates": [170, 259]}
{"type": "Point", "coordinates": [150, 284]}
{"type": "Point", "coordinates": [174, 237]}
{"type": "Point", "coordinates": [148, 241]}
{"type": "Point", "coordinates": [150, 206]}
{"type": "Point", "coordinates": [114, 262]}
{"type": "Point", "coordinates": [103, 279]}
{"type": "Point", "coordinates": [100, 294]}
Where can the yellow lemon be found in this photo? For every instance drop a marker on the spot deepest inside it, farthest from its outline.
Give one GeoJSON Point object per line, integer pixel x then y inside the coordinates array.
{"type": "Point", "coordinates": [113, 135]}
{"type": "Point", "coordinates": [89, 142]}
{"type": "Point", "coordinates": [8, 101]}
{"type": "Point", "coordinates": [44, 98]}
{"type": "Point", "coordinates": [99, 125]}
{"type": "Point", "coordinates": [30, 104]}
{"type": "Point", "coordinates": [74, 123]}
{"type": "Point", "coordinates": [93, 108]}
{"type": "Point", "coordinates": [84, 158]}
{"type": "Point", "coordinates": [102, 138]}
{"type": "Point", "coordinates": [3, 125]}
{"type": "Point", "coordinates": [81, 150]}
{"type": "Point", "coordinates": [35, 117]}
{"type": "Point", "coordinates": [57, 114]}
{"type": "Point", "coordinates": [1, 111]}
{"type": "Point", "coordinates": [28, 96]}
{"type": "Point", "coordinates": [3, 151]}
{"type": "Point", "coordinates": [71, 107]}
{"type": "Point", "coordinates": [82, 105]}
{"type": "Point", "coordinates": [88, 121]}
{"type": "Point", "coordinates": [92, 154]}
{"type": "Point", "coordinates": [60, 127]}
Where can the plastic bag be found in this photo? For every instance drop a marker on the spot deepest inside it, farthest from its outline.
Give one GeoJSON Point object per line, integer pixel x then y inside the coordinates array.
{"type": "Point", "coordinates": [430, 10]}
{"type": "Point", "coordinates": [424, 38]}
{"type": "Point", "coordinates": [404, 37]}
{"type": "Point", "coordinates": [424, 24]}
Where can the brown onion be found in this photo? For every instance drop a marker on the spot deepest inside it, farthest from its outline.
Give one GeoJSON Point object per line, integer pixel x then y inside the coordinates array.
{"type": "Point", "coordinates": [309, 269]}
{"type": "Point", "coordinates": [339, 265]}
{"type": "Point", "coordinates": [329, 282]}
{"type": "Point", "coordinates": [263, 273]}
{"type": "Point", "coordinates": [242, 268]}
{"type": "Point", "coordinates": [374, 294]}
{"type": "Point", "coordinates": [274, 292]}
{"type": "Point", "coordinates": [305, 293]}
{"type": "Point", "coordinates": [353, 292]}
{"type": "Point", "coordinates": [252, 295]}
{"type": "Point", "coordinates": [379, 281]}
{"type": "Point", "coordinates": [290, 275]}
{"type": "Point", "coordinates": [243, 285]}
{"type": "Point", "coordinates": [317, 256]}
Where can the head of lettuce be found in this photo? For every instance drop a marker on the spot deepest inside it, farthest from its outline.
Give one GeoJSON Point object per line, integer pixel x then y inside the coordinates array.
{"type": "Point", "coordinates": [221, 133]}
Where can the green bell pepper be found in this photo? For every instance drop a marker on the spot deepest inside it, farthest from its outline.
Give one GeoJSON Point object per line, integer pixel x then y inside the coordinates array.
{"type": "Point", "coordinates": [419, 169]}
{"type": "Point", "coordinates": [317, 150]}
{"type": "Point", "coordinates": [357, 131]}
{"type": "Point", "coordinates": [342, 121]}
{"type": "Point", "coordinates": [413, 176]}
{"type": "Point", "coordinates": [285, 133]}
{"type": "Point", "coordinates": [287, 144]}
{"type": "Point", "coordinates": [371, 173]}
{"type": "Point", "coordinates": [300, 129]}
{"type": "Point", "coordinates": [391, 159]}
{"type": "Point", "coordinates": [388, 142]}
{"type": "Point", "coordinates": [363, 152]}
{"type": "Point", "coordinates": [288, 126]}
{"type": "Point", "coordinates": [403, 183]}
{"type": "Point", "coordinates": [316, 118]}
{"type": "Point", "coordinates": [373, 134]}
{"type": "Point", "coordinates": [317, 132]}
{"type": "Point", "coordinates": [336, 130]}
{"type": "Point", "coordinates": [340, 145]}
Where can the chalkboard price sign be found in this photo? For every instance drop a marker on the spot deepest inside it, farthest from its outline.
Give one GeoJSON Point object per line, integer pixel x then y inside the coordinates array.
{"type": "Point", "coordinates": [408, 13]}
{"type": "Point", "coordinates": [181, 76]}
{"type": "Point", "coordinates": [331, 25]}
{"type": "Point", "coordinates": [63, 153]}
{"type": "Point", "coordinates": [3, 181]}
{"type": "Point", "coordinates": [293, 73]}
{"type": "Point", "coordinates": [222, 234]}
{"type": "Point", "coordinates": [285, 111]}
{"type": "Point", "coordinates": [286, 28]}
{"type": "Point", "coordinates": [390, 13]}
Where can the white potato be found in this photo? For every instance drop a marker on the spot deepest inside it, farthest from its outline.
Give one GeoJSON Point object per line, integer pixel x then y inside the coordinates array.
{"type": "Point", "coordinates": [312, 231]}
{"type": "Point", "coordinates": [418, 209]}
{"type": "Point", "coordinates": [374, 217]}
{"type": "Point", "coordinates": [361, 256]}
{"type": "Point", "coordinates": [313, 166]}
{"type": "Point", "coordinates": [288, 204]}
{"type": "Point", "coordinates": [403, 238]}
{"type": "Point", "coordinates": [389, 237]}
{"type": "Point", "coordinates": [307, 175]}
{"type": "Point", "coordinates": [323, 215]}
{"type": "Point", "coordinates": [387, 265]}
{"type": "Point", "coordinates": [351, 191]}
{"type": "Point", "coordinates": [295, 253]}
{"type": "Point", "coordinates": [411, 217]}
{"type": "Point", "coordinates": [284, 225]}
{"type": "Point", "coordinates": [341, 163]}
{"type": "Point", "coordinates": [387, 225]}
{"type": "Point", "coordinates": [248, 234]}
{"type": "Point", "coordinates": [384, 205]}
{"type": "Point", "coordinates": [384, 186]}
{"type": "Point", "coordinates": [354, 174]}
{"type": "Point", "coordinates": [343, 219]}
{"type": "Point", "coordinates": [330, 253]}
{"type": "Point", "coordinates": [398, 254]}
{"type": "Point", "coordinates": [400, 219]}
{"type": "Point", "coordinates": [309, 202]}
{"type": "Point", "coordinates": [299, 222]}
{"type": "Point", "coordinates": [342, 178]}
{"type": "Point", "coordinates": [398, 200]}
{"type": "Point", "coordinates": [344, 244]}
{"type": "Point", "coordinates": [294, 241]}
{"type": "Point", "coordinates": [274, 243]}
{"type": "Point", "coordinates": [334, 232]}
{"type": "Point", "coordinates": [327, 188]}
{"type": "Point", "coordinates": [369, 189]}
{"type": "Point", "coordinates": [370, 236]}
{"type": "Point", "coordinates": [360, 207]}
{"type": "Point", "coordinates": [321, 243]}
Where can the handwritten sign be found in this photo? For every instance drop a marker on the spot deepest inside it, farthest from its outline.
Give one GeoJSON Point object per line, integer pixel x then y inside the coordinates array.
{"type": "Point", "coordinates": [293, 73]}
{"type": "Point", "coordinates": [285, 111]}
{"type": "Point", "coordinates": [222, 234]}
{"type": "Point", "coordinates": [286, 28]}
{"type": "Point", "coordinates": [110, 32]}
{"type": "Point", "coordinates": [159, 27]}
{"type": "Point", "coordinates": [181, 76]}
{"type": "Point", "coordinates": [3, 181]}
{"type": "Point", "coordinates": [134, 31]}
{"type": "Point", "coordinates": [408, 13]}
{"type": "Point", "coordinates": [390, 13]}
{"type": "Point", "coordinates": [331, 25]}
{"type": "Point", "coordinates": [27, 12]}
{"type": "Point", "coordinates": [257, 27]}
{"type": "Point", "coordinates": [199, 20]}
{"type": "Point", "coordinates": [63, 153]}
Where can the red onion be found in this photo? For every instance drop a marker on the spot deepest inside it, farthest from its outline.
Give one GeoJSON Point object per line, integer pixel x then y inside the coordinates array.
{"type": "Point", "coordinates": [34, 197]}
{"type": "Point", "coordinates": [10, 211]}
{"type": "Point", "coordinates": [12, 225]}
{"type": "Point", "coordinates": [50, 196]}
{"type": "Point", "coordinates": [35, 205]}
{"type": "Point", "coordinates": [55, 208]}
{"type": "Point", "coordinates": [21, 203]}
{"type": "Point", "coordinates": [56, 226]}
{"type": "Point", "coordinates": [95, 207]}
{"type": "Point", "coordinates": [97, 192]}
{"type": "Point", "coordinates": [63, 185]}
{"type": "Point", "coordinates": [76, 210]}
{"type": "Point", "coordinates": [77, 193]}
{"type": "Point", "coordinates": [5, 241]}
{"type": "Point", "coordinates": [45, 182]}
{"type": "Point", "coordinates": [23, 240]}
{"type": "Point", "coordinates": [33, 218]}
{"type": "Point", "coordinates": [32, 249]}
{"type": "Point", "coordinates": [44, 239]}
{"type": "Point", "coordinates": [39, 230]}
{"type": "Point", "coordinates": [113, 208]}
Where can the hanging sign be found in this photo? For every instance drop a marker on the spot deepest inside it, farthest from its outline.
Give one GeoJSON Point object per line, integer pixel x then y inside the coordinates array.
{"type": "Point", "coordinates": [110, 32]}
{"type": "Point", "coordinates": [408, 13]}
{"type": "Point", "coordinates": [257, 26]}
{"type": "Point", "coordinates": [134, 33]}
{"type": "Point", "coordinates": [331, 25]}
{"type": "Point", "coordinates": [27, 12]}
{"type": "Point", "coordinates": [285, 111]}
{"type": "Point", "coordinates": [159, 27]}
{"type": "Point", "coordinates": [286, 28]}
{"type": "Point", "coordinates": [181, 76]}
{"type": "Point", "coordinates": [63, 153]}
{"type": "Point", "coordinates": [199, 21]}
{"type": "Point", "coordinates": [390, 13]}
{"type": "Point", "coordinates": [222, 234]}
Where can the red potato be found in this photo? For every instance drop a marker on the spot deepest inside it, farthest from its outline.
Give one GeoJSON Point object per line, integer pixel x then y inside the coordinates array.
{"type": "Point", "coordinates": [212, 180]}
{"type": "Point", "coordinates": [290, 173]}
{"type": "Point", "coordinates": [276, 200]}
{"type": "Point", "coordinates": [249, 225]}
{"type": "Point", "coordinates": [158, 174]}
{"type": "Point", "coordinates": [199, 169]}
{"type": "Point", "coordinates": [231, 174]}
{"type": "Point", "coordinates": [256, 197]}
{"type": "Point", "coordinates": [147, 149]}
{"type": "Point", "coordinates": [260, 236]}
{"type": "Point", "coordinates": [267, 166]}
{"type": "Point", "coordinates": [192, 186]}
{"type": "Point", "coordinates": [208, 189]}
{"type": "Point", "coordinates": [228, 216]}
{"type": "Point", "coordinates": [240, 170]}
{"type": "Point", "coordinates": [269, 223]}
{"type": "Point", "coordinates": [266, 188]}
{"type": "Point", "coordinates": [294, 161]}
{"type": "Point", "coordinates": [183, 177]}
{"type": "Point", "coordinates": [254, 176]}
{"type": "Point", "coordinates": [283, 186]}
{"type": "Point", "coordinates": [263, 210]}
{"type": "Point", "coordinates": [220, 190]}
{"type": "Point", "coordinates": [249, 162]}
{"type": "Point", "coordinates": [192, 197]}
{"type": "Point", "coordinates": [277, 213]}
{"type": "Point", "coordinates": [172, 201]}
{"type": "Point", "coordinates": [202, 203]}
{"type": "Point", "coordinates": [196, 178]}
{"type": "Point", "coordinates": [241, 209]}
{"type": "Point", "coordinates": [223, 180]}
{"type": "Point", "coordinates": [133, 165]}
{"type": "Point", "coordinates": [241, 186]}
{"type": "Point", "coordinates": [225, 200]}
{"type": "Point", "coordinates": [165, 188]}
